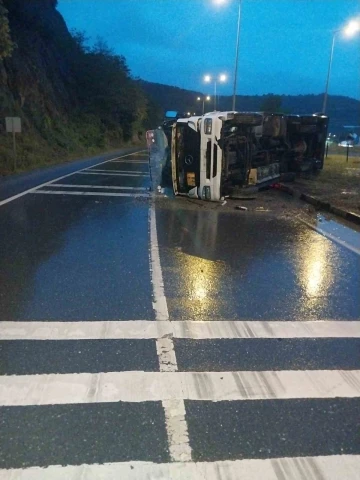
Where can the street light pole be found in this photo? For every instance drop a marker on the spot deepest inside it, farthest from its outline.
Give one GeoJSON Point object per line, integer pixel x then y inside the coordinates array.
{"type": "Point", "coordinates": [203, 98]}
{"type": "Point", "coordinates": [221, 78]}
{"type": "Point", "coordinates": [351, 29]}
{"type": "Point", "coordinates": [236, 57]}
{"type": "Point", "coordinates": [203, 103]}
{"type": "Point", "coordinates": [329, 72]}
{"type": "Point", "coordinates": [215, 95]}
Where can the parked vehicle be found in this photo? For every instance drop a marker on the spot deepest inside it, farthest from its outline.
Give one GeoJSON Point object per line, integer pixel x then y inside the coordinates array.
{"type": "Point", "coordinates": [351, 140]}
{"type": "Point", "coordinates": [213, 153]}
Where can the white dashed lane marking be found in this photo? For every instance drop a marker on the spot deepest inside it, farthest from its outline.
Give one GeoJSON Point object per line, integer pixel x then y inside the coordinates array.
{"type": "Point", "coordinates": [175, 415]}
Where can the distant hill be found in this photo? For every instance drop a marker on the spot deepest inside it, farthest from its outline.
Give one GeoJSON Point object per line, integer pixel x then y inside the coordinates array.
{"type": "Point", "coordinates": [341, 110]}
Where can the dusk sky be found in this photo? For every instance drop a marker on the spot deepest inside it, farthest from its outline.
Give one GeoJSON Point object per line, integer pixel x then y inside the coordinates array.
{"type": "Point", "coordinates": [284, 44]}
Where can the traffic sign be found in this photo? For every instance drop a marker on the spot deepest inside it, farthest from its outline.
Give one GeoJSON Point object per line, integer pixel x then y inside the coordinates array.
{"type": "Point", "coordinates": [13, 124]}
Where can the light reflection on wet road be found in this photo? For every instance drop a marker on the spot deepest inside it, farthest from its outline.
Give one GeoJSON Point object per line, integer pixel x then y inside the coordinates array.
{"type": "Point", "coordinates": [222, 265]}
{"type": "Point", "coordinates": [75, 258]}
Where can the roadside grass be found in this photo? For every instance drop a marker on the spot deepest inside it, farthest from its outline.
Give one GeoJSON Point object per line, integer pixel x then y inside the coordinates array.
{"type": "Point", "coordinates": [337, 165]}
{"type": "Point", "coordinates": [58, 142]}
{"type": "Point", "coordinates": [32, 155]}
{"type": "Point", "coordinates": [341, 151]}
{"type": "Point", "coordinates": [338, 182]}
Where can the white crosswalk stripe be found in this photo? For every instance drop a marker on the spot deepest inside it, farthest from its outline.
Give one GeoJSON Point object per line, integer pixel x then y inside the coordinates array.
{"type": "Point", "coordinates": [335, 467]}
{"type": "Point", "coordinates": [135, 172]}
{"type": "Point", "coordinates": [109, 173]}
{"type": "Point", "coordinates": [132, 162]}
{"type": "Point", "coordinates": [91, 194]}
{"type": "Point", "coordinates": [201, 330]}
{"type": "Point", "coordinates": [165, 385]}
{"type": "Point", "coordinates": [97, 187]}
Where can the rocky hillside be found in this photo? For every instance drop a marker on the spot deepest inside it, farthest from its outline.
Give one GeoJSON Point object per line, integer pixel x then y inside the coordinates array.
{"type": "Point", "coordinates": [72, 99]}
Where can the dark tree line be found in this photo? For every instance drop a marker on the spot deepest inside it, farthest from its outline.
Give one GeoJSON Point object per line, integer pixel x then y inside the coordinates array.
{"type": "Point", "coordinates": [105, 88]}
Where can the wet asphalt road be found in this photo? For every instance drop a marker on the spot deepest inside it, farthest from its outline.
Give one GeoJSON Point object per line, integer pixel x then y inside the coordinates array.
{"type": "Point", "coordinates": [79, 250]}
{"type": "Point", "coordinates": [221, 265]}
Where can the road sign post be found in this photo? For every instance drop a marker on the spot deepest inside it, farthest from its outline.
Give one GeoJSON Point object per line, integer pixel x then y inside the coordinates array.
{"type": "Point", "coordinates": [13, 125]}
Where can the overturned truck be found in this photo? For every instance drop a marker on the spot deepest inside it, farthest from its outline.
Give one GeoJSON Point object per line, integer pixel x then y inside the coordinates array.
{"type": "Point", "coordinates": [213, 154]}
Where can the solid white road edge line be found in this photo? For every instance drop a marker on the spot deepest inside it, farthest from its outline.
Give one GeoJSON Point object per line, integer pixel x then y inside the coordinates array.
{"type": "Point", "coordinates": [144, 329]}
{"type": "Point", "coordinates": [331, 237]}
{"type": "Point", "coordinates": [98, 187]}
{"type": "Point", "coordinates": [137, 386]}
{"type": "Point", "coordinates": [175, 419]}
{"type": "Point", "coordinates": [333, 467]}
{"type": "Point", "coordinates": [14, 197]}
{"type": "Point", "coordinates": [95, 194]}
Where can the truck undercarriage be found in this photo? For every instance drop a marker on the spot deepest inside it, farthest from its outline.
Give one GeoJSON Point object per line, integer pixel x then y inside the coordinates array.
{"type": "Point", "coordinates": [259, 147]}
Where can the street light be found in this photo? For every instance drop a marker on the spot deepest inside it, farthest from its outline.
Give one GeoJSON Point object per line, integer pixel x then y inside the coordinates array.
{"type": "Point", "coordinates": [236, 67]}
{"type": "Point", "coordinates": [203, 99]}
{"type": "Point", "coordinates": [352, 28]}
{"type": "Point", "coordinates": [221, 78]}
{"type": "Point", "coordinates": [349, 31]}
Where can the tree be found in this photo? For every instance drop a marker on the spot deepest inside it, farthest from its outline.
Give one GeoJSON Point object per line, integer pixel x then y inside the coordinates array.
{"type": "Point", "coordinates": [81, 41]}
{"type": "Point", "coordinates": [105, 87]}
{"type": "Point", "coordinates": [6, 44]}
{"type": "Point", "coordinates": [271, 103]}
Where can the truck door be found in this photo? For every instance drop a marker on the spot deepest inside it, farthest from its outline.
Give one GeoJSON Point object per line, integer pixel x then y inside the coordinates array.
{"type": "Point", "coordinates": [186, 157]}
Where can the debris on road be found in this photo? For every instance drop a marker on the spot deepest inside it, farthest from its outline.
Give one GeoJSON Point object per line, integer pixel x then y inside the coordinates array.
{"type": "Point", "coordinates": [239, 207]}
{"type": "Point", "coordinates": [244, 198]}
